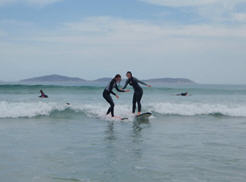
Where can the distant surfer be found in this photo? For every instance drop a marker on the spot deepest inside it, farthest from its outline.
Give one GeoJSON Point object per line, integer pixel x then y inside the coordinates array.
{"type": "Point", "coordinates": [109, 90]}
{"type": "Point", "coordinates": [183, 94]}
{"type": "Point", "coordinates": [43, 95]}
{"type": "Point", "coordinates": [138, 91]}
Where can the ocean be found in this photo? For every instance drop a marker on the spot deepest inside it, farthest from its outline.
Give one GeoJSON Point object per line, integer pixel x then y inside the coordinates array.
{"type": "Point", "coordinates": [198, 138]}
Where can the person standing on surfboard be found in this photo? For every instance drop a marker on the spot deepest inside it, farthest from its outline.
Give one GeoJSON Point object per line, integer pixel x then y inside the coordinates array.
{"type": "Point", "coordinates": [138, 91]}
{"type": "Point", "coordinates": [109, 90]}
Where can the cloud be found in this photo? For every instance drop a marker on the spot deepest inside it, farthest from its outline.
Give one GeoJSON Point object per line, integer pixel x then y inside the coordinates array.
{"type": "Point", "coordinates": [116, 31]}
{"type": "Point", "coordinates": [210, 10]}
{"type": "Point", "coordinates": [178, 3]}
{"type": "Point", "coordinates": [241, 17]}
{"type": "Point", "coordinates": [100, 42]}
{"type": "Point", "coordinates": [3, 33]}
{"type": "Point", "coordinates": [32, 2]}
{"type": "Point", "coordinates": [15, 23]}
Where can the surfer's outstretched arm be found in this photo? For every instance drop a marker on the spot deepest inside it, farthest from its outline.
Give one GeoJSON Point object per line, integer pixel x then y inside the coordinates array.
{"type": "Point", "coordinates": [119, 90]}
{"type": "Point", "coordinates": [113, 93]}
{"type": "Point", "coordinates": [143, 83]}
{"type": "Point", "coordinates": [127, 82]}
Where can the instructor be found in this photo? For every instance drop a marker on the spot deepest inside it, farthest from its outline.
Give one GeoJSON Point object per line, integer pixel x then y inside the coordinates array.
{"type": "Point", "coordinates": [138, 91]}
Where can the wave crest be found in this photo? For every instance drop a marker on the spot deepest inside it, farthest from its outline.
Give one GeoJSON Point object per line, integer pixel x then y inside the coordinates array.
{"type": "Point", "coordinates": [192, 109]}
{"type": "Point", "coordinates": [58, 110]}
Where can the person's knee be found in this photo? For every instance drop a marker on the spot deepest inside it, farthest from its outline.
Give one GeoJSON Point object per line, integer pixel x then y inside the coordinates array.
{"type": "Point", "coordinates": [112, 105]}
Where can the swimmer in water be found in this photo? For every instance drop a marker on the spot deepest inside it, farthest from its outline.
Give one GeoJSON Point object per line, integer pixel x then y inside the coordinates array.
{"type": "Point", "coordinates": [43, 94]}
{"type": "Point", "coordinates": [183, 94]}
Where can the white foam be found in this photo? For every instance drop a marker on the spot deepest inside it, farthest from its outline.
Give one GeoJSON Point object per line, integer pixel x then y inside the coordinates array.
{"type": "Point", "coordinates": [191, 109]}
{"type": "Point", "coordinates": [99, 111]}
{"type": "Point", "coordinates": [33, 109]}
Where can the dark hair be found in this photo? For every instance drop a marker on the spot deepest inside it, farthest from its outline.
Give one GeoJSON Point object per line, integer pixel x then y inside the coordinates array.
{"type": "Point", "coordinates": [117, 76]}
{"type": "Point", "coordinates": [129, 73]}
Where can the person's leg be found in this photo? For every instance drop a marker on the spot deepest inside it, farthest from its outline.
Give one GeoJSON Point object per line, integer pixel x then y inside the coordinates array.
{"type": "Point", "coordinates": [109, 110]}
{"type": "Point", "coordinates": [112, 106]}
{"type": "Point", "coordinates": [109, 99]}
{"type": "Point", "coordinates": [134, 101]}
{"type": "Point", "coordinates": [139, 97]}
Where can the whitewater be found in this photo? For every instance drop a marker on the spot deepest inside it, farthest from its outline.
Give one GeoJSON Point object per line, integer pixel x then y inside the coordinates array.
{"type": "Point", "coordinates": [20, 101]}
{"type": "Point", "coordinates": [38, 109]}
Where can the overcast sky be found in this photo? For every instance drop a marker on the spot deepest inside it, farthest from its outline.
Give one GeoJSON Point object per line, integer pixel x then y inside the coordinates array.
{"type": "Point", "coordinates": [204, 40]}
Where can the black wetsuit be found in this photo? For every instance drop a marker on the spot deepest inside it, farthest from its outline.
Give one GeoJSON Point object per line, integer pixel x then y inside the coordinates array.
{"type": "Point", "coordinates": [138, 92]}
{"type": "Point", "coordinates": [43, 95]}
{"type": "Point", "coordinates": [106, 95]}
{"type": "Point", "coordinates": [183, 94]}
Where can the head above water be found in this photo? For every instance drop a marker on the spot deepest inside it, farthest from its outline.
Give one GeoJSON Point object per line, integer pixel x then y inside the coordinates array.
{"type": "Point", "coordinates": [117, 78]}
{"type": "Point", "coordinates": [129, 74]}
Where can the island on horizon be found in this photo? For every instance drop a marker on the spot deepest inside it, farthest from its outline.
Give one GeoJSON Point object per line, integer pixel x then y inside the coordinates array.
{"type": "Point", "coordinates": [61, 79]}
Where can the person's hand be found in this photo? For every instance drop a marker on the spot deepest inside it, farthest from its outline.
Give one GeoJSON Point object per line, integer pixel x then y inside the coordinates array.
{"type": "Point", "coordinates": [127, 90]}
{"type": "Point", "coordinates": [117, 96]}
{"type": "Point", "coordinates": [149, 86]}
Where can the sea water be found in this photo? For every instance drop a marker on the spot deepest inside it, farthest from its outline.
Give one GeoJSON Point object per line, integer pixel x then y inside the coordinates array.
{"type": "Point", "coordinates": [200, 137]}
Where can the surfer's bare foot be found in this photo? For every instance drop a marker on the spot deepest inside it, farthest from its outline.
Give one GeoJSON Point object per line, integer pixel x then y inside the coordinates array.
{"type": "Point", "coordinates": [139, 113]}
{"type": "Point", "coordinates": [117, 117]}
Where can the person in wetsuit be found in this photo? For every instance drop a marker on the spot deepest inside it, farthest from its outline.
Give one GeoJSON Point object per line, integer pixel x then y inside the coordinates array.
{"type": "Point", "coordinates": [138, 91]}
{"type": "Point", "coordinates": [109, 90]}
{"type": "Point", "coordinates": [183, 94]}
{"type": "Point", "coordinates": [43, 94]}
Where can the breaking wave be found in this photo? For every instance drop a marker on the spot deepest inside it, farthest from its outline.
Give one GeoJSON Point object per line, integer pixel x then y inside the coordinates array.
{"type": "Point", "coordinates": [193, 109]}
{"type": "Point", "coordinates": [57, 110]}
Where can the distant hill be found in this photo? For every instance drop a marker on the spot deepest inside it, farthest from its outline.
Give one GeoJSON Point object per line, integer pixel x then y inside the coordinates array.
{"type": "Point", "coordinates": [105, 79]}
{"type": "Point", "coordinates": [59, 79]}
{"type": "Point", "coordinates": [54, 78]}
{"type": "Point", "coordinates": [155, 80]}
{"type": "Point", "coordinates": [170, 80]}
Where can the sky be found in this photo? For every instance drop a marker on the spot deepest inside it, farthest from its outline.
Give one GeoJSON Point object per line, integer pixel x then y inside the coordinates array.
{"type": "Point", "coordinates": [203, 40]}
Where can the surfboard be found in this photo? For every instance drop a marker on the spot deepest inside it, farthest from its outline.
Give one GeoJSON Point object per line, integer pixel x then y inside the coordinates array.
{"type": "Point", "coordinates": [123, 119]}
{"type": "Point", "coordinates": [145, 115]}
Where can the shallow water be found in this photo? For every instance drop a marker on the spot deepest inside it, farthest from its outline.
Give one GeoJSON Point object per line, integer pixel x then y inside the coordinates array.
{"type": "Point", "coordinates": [196, 138]}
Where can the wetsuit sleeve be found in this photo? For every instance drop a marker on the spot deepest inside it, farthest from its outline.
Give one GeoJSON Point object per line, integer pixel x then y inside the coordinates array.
{"type": "Point", "coordinates": [112, 92]}
{"type": "Point", "coordinates": [141, 82]}
{"type": "Point", "coordinates": [127, 82]}
{"type": "Point", "coordinates": [117, 88]}
{"type": "Point", "coordinates": [111, 86]}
